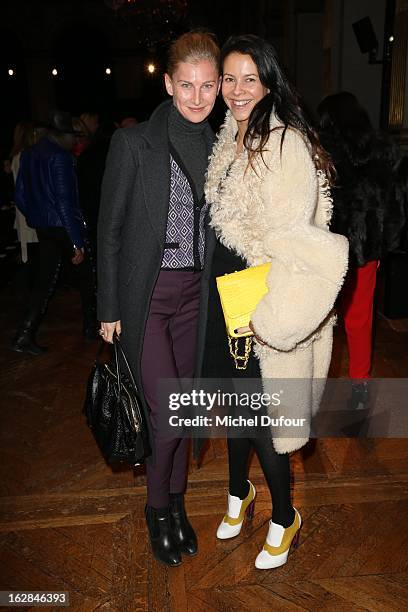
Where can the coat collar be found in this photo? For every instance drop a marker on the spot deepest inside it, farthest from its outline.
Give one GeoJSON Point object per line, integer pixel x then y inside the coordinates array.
{"type": "Point", "coordinates": [230, 126]}
{"type": "Point", "coordinates": [156, 129]}
{"type": "Point", "coordinates": [223, 154]}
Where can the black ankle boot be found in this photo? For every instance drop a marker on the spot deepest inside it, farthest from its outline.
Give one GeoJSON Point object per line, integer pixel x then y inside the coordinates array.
{"type": "Point", "coordinates": [24, 340]}
{"type": "Point", "coordinates": [180, 525]}
{"type": "Point", "coordinates": [164, 545]}
{"type": "Point", "coordinates": [359, 396]}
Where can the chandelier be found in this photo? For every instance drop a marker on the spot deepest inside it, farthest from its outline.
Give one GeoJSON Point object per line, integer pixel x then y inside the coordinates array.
{"type": "Point", "coordinates": [153, 21]}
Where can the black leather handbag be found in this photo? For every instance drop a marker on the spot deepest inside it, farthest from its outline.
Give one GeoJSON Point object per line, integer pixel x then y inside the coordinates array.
{"type": "Point", "coordinates": [113, 409]}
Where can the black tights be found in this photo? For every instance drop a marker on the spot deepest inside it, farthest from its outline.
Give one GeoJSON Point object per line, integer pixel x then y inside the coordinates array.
{"type": "Point", "coordinates": [276, 470]}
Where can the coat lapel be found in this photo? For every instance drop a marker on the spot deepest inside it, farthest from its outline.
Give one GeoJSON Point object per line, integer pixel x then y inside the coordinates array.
{"type": "Point", "coordinates": [155, 166]}
{"type": "Point", "coordinates": [156, 185]}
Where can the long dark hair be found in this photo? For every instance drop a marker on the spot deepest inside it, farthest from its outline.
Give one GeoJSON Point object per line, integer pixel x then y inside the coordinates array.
{"type": "Point", "coordinates": [282, 100]}
{"type": "Point", "coordinates": [343, 121]}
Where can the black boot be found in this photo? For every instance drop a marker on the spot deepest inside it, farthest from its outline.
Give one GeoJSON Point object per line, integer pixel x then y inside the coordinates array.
{"type": "Point", "coordinates": [24, 340]}
{"type": "Point", "coordinates": [359, 396]}
{"type": "Point", "coordinates": [163, 543]}
{"type": "Point", "coordinates": [180, 525]}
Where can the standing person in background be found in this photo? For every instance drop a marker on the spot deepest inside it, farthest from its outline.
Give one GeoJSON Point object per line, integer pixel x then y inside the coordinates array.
{"type": "Point", "coordinates": [47, 195]}
{"type": "Point", "coordinates": [152, 248]}
{"type": "Point", "coordinates": [366, 211]}
{"type": "Point", "coordinates": [23, 137]}
{"type": "Point", "coordinates": [90, 169]}
{"type": "Point", "coordinates": [128, 122]}
{"type": "Point", "coordinates": [91, 121]}
{"type": "Point", "coordinates": [82, 138]}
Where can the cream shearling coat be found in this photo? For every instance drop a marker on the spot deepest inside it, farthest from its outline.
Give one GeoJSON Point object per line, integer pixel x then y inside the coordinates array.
{"type": "Point", "coordinates": [280, 214]}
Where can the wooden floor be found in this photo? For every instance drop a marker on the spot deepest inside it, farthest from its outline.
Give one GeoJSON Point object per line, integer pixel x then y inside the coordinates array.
{"type": "Point", "coordinates": [69, 523]}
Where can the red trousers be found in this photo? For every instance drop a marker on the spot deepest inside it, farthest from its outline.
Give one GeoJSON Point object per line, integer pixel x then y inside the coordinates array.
{"type": "Point", "coordinates": [356, 306]}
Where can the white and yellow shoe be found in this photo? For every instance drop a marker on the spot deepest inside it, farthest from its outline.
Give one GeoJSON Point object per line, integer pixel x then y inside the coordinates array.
{"type": "Point", "coordinates": [278, 542]}
{"type": "Point", "coordinates": [237, 508]}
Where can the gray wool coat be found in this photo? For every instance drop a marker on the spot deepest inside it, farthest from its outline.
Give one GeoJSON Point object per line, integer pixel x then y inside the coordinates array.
{"type": "Point", "coordinates": [131, 233]}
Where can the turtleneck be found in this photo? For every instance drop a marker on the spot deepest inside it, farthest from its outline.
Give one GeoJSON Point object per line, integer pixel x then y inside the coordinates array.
{"type": "Point", "coordinates": [189, 142]}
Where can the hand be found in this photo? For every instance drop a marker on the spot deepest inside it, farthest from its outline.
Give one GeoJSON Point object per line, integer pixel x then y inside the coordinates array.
{"type": "Point", "coordinates": [108, 329]}
{"type": "Point", "coordinates": [250, 328]}
{"type": "Point", "coordinates": [257, 338]}
{"type": "Point", "coordinates": [243, 330]}
{"type": "Point", "coordinates": [78, 256]}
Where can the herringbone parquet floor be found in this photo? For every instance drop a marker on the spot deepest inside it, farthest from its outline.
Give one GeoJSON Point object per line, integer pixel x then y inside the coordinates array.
{"type": "Point", "coordinates": [69, 523]}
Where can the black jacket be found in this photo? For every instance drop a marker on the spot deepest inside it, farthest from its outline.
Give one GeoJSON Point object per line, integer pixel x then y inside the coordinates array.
{"type": "Point", "coordinates": [366, 204]}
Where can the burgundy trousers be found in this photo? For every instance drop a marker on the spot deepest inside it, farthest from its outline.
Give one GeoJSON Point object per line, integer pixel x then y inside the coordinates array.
{"type": "Point", "coordinates": [169, 351]}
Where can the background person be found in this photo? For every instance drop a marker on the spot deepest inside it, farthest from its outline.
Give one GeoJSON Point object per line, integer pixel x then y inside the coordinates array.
{"type": "Point", "coordinates": [82, 137]}
{"type": "Point", "coordinates": [23, 137]}
{"type": "Point", "coordinates": [90, 169]}
{"type": "Point", "coordinates": [368, 211]}
{"type": "Point", "coordinates": [91, 121]}
{"type": "Point", "coordinates": [47, 195]}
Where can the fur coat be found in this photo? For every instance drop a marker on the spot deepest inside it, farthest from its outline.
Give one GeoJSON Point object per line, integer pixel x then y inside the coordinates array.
{"type": "Point", "coordinates": [279, 213]}
{"type": "Point", "coordinates": [367, 207]}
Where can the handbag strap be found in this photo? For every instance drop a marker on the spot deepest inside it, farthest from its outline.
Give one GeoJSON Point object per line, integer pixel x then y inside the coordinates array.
{"type": "Point", "coordinates": [241, 361]}
{"type": "Point", "coordinates": [118, 377]}
{"type": "Point", "coordinates": [118, 348]}
{"type": "Point", "coordinates": [101, 348]}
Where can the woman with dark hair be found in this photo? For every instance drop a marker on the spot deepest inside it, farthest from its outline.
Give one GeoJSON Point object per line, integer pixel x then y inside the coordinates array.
{"type": "Point", "coordinates": [269, 202]}
{"type": "Point", "coordinates": [152, 234]}
{"type": "Point", "coordinates": [366, 211]}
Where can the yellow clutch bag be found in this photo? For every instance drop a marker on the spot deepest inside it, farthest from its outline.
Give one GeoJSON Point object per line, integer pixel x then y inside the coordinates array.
{"type": "Point", "coordinates": [240, 293]}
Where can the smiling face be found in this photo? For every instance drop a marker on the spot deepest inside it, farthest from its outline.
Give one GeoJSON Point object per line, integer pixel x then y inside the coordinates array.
{"type": "Point", "coordinates": [241, 85]}
{"type": "Point", "coordinates": [194, 87]}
